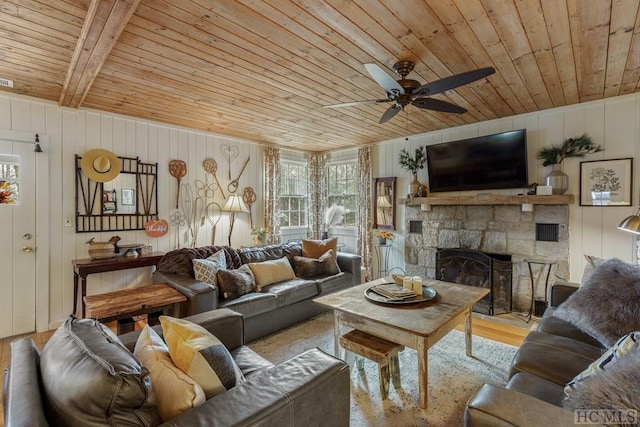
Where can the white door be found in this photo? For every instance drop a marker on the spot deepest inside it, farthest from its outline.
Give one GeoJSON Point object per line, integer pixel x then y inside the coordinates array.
{"type": "Point", "coordinates": [18, 236]}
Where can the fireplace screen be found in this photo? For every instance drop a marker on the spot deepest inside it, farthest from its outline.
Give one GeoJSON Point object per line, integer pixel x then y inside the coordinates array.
{"type": "Point", "coordinates": [473, 268]}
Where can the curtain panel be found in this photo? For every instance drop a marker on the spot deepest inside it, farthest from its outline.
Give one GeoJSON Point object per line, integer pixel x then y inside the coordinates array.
{"type": "Point", "coordinates": [318, 192]}
{"type": "Point", "coordinates": [272, 192]}
{"type": "Point", "coordinates": [365, 214]}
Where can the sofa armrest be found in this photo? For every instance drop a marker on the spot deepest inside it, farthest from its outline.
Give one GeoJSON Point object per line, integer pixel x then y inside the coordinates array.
{"type": "Point", "coordinates": [227, 325]}
{"type": "Point", "coordinates": [560, 291]}
{"type": "Point", "coordinates": [311, 389]}
{"type": "Point", "coordinates": [350, 263]}
{"type": "Point", "coordinates": [200, 296]}
{"type": "Point", "coordinates": [21, 395]}
{"type": "Point", "coordinates": [493, 406]}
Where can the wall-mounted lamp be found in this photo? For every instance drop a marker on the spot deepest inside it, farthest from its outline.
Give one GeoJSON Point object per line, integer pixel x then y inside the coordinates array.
{"type": "Point", "coordinates": [631, 223]}
{"type": "Point", "coordinates": [38, 149]}
{"type": "Point", "coordinates": [234, 205]}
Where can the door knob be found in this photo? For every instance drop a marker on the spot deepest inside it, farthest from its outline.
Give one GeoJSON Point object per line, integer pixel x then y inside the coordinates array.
{"type": "Point", "coordinates": [26, 248]}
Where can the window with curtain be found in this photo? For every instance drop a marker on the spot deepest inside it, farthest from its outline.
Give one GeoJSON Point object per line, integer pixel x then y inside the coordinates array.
{"type": "Point", "coordinates": [343, 179]}
{"type": "Point", "coordinates": [294, 194]}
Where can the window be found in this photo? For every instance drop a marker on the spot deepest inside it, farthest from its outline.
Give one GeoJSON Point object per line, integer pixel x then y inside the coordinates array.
{"type": "Point", "coordinates": [294, 200]}
{"type": "Point", "coordinates": [343, 189]}
{"type": "Point", "coordinates": [9, 179]}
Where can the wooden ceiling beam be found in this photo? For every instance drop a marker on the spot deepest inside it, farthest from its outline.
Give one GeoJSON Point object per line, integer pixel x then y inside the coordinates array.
{"type": "Point", "coordinates": [103, 25]}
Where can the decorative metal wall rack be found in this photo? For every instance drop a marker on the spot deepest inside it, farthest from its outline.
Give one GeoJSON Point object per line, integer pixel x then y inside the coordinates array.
{"type": "Point", "coordinates": [90, 205]}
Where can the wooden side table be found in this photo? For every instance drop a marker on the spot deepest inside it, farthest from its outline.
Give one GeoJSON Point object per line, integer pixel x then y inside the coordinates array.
{"type": "Point", "coordinates": [153, 300]}
{"type": "Point", "coordinates": [83, 267]}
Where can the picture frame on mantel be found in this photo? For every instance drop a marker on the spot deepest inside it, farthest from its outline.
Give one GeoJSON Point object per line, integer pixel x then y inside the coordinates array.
{"type": "Point", "coordinates": [606, 182]}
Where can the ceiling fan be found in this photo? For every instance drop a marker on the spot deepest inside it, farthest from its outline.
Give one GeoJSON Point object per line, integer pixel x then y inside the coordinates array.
{"type": "Point", "coordinates": [406, 91]}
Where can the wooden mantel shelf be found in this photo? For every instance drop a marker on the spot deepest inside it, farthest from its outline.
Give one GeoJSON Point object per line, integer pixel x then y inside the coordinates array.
{"type": "Point", "coordinates": [427, 202]}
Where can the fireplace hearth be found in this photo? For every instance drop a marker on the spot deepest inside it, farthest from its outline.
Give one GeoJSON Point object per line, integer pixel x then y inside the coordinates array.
{"type": "Point", "coordinates": [474, 268]}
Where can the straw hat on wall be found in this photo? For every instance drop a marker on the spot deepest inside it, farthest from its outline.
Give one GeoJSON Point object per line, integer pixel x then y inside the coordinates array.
{"type": "Point", "coordinates": [100, 165]}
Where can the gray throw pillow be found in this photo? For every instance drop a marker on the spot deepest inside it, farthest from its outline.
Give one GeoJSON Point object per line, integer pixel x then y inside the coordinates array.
{"type": "Point", "coordinates": [89, 378]}
{"type": "Point", "coordinates": [326, 265]}
{"type": "Point", "coordinates": [234, 283]}
{"type": "Point", "coordinates": [607, 306]}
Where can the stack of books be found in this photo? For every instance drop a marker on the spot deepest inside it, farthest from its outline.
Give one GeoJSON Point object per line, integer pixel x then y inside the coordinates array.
{"type": "Point", "coordinates": [393, 291]}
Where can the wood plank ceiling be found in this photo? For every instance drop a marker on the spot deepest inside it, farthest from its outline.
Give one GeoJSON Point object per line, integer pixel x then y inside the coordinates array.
{"type": "Point", "coordinates": [262, 70]}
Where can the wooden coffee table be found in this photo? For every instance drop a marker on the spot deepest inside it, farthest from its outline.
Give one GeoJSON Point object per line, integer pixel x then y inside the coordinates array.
{"type": "Point", "coordinates": [418, 326]}
{"type": "Point", "coordinates": [153, 300]}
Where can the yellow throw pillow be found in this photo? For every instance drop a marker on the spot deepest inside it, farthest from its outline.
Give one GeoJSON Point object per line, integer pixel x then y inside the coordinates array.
{"type": "Point", "coordinates": [269, 272]}
{"type": "Point", "coordinates": [200, 355]}
{"type": "Point", "coordinates": [175, 392]}
{"type": "Point", "coordinates": [317, 248]}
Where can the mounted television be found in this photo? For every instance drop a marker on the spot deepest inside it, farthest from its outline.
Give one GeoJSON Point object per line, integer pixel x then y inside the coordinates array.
{"type": "Point", "coordinates": [487, 162]}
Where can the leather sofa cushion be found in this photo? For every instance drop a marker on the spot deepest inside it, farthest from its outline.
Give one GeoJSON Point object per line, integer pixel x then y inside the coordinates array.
{"type": "Point", "coordinates": [557, 359]}
{"type": "Point", "coordinates": [537, 387]}
{"type": "Point", "coordinates": [329, 284]}
{"type": "Point", "coordinates": [249, 361]}
{"type": "Point", "coordinates": [251, 304]}
{"type": "Point", "coordinates": [89, 378]}
{"type": "Point", "coordinates": [180, 261]}
{"type": "Point", "coordinates": [292, 291]}
{"type": "Point", "coordinates": [555, 326]}
{"type": "Point", "coordinates": [260, 253]}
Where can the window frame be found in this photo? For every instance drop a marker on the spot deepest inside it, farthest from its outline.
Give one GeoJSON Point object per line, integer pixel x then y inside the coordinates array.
{"type": "Point", "coordinates": [303, 213]}
{"type": "Point", "coordinates": [355, 195]}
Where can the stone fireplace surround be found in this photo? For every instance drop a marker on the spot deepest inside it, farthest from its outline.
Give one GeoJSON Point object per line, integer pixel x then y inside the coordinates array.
{"type": "Point", "coordinates": [496, 229]}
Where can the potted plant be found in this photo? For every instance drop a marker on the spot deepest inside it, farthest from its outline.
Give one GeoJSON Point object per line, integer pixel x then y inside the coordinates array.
{"type": "Point", "coordinates": [412, 164]}
{"type": "Point", "coordinates": [260, 235]}
{"type": "Point", "coordinates": [554, 155]}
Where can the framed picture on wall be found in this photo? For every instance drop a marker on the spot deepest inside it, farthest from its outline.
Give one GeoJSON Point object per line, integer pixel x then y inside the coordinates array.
{"type": "Point", "coordinates": [128, 196]}
{"type": "Point", "coordinates": [606, 182]}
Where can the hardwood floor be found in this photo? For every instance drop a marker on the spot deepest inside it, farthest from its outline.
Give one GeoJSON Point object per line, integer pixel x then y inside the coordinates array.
{"type": "Point", "coordinates": [508, 330]}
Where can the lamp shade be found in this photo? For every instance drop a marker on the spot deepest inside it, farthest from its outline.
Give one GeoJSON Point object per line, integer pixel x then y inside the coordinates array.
{"type": "Point", "coordinates": [631, 223]}
{"type": "Point", "coordinates": [235, 204]}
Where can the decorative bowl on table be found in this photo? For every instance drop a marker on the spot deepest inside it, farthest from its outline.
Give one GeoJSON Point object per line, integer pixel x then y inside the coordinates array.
{"type": "Point", "coordinates": [131, 250]}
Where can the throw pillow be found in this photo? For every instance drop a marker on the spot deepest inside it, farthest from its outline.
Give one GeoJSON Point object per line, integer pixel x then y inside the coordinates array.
{"type": "Point", "coordinates": [316, 248]}
{"type": "Point", "coordinates": [234, 283]}
{"type": "Point", "coordinates": [269, 272]}
{"type": "Point", "coordinates": [89, 378]}
{"type": "Point", "coordinates": [607, 306]}
{"type": "Point", "coordinates": [615, 388]}
{"type": "Point", "coordinates": [326, 265]}
{"type": "Point", "coordinates": [592, 263]}
{"type": "Point", "coordinates": [175, 391]}
{"type": "Point", "coordinates": [200, 355]}
{"type": "Point", "coordinates": [623, 347]}
{"type": "Point", "coordinates": [206, 270]}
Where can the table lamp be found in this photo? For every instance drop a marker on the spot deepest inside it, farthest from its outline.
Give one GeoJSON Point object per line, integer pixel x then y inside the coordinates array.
{"type": "Point", "coordinates": [234, 205]}
{"type": "Point", "coordinates": [383, 204]}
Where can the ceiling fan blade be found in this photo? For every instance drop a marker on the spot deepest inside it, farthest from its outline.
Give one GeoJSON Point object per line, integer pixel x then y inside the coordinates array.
{"type": "Point", "coordinates": [438, 105]}
{"type": "Point", "coordinates": [391, 111]}
{"type": "Point", "coordinates": [452, 82]}
{"type": "Point", "coordinates": [354, 103]}
{"type": "Point", "coordinates": [384, 79]}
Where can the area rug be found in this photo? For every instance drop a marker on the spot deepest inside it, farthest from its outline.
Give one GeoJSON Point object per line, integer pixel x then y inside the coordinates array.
{"type": "Point", "coordinates": [453, 377]}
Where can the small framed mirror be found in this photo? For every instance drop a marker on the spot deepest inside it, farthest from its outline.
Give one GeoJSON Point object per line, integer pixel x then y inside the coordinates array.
{"type": "Point", "coordinates": [384, 203]}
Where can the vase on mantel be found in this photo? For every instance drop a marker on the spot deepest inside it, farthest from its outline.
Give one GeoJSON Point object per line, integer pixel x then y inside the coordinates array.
{"type": "Point", "coordinates": [414, 186]}
{"type": "Point", "coordinates": [558, 180]}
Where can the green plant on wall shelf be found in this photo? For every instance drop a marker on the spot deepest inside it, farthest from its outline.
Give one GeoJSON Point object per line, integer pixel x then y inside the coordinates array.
{"type": "Point", "coordinates": [412, 164]}
{"type": "Point", "coordinates": [570, 147]}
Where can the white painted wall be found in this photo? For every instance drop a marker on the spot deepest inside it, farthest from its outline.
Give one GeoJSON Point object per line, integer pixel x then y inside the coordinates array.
{"type": "Point", "coordinates": [613, 123]}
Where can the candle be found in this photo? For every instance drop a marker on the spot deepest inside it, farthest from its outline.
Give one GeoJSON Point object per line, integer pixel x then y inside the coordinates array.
{"type": "Point", "coordinates": [407, 283]}
{"type": "Point", "coordinates": [417, 285]}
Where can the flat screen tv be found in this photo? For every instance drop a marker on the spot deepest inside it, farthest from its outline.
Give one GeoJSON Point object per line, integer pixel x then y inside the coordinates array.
{"type": "Point", "coordinates": [487, 162]}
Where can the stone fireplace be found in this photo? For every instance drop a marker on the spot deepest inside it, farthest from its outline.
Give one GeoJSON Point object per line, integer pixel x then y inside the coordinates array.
{"type": "Point", "coordinates": [541, 235]}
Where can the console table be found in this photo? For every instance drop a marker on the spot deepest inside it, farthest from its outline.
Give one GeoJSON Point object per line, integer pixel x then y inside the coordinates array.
{"type": "Point", "coordinates": [83, 267]}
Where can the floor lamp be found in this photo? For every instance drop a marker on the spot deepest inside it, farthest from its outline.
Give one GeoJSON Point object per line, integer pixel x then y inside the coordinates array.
{"type": "Point", "coordinates": [234, 205]}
